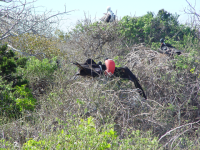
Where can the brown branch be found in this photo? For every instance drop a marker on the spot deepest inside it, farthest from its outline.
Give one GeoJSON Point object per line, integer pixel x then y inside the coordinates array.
{"type": "Point", "coordinates": [168, 133]}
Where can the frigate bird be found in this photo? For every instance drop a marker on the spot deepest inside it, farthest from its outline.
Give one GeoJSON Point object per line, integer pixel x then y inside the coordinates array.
{"type": "Point", "coordinates": [109, 16]}
{"type": "Point", "coordinates": [91, 69]}
{"type": "Point", "coordinates": [165, 44]}
{"type": "Point", "coordinates": [168, 48]}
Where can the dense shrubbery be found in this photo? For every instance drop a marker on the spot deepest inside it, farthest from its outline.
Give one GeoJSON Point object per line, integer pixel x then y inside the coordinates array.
{"type": "Point", "coordinates": [37, 45]}
{"type": "Point", "coordinates": [40, 68]}
{"type": "Point", "coordinates": [85, 135]}
{"type": "Point", "coordinates": [150, 28]}
{"type": "Point", "coordinates": [15, 93]}
{"type": "Point", "coordinates": [62, 112]}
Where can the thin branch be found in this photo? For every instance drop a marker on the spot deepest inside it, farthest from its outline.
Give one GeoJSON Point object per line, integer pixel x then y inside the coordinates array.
{"type": "Point", "coordinates": [19, 19]}
{"type": "Point", "coordinates": [168, 133]}
{"type": "Point", "coordinates": [23, 53]}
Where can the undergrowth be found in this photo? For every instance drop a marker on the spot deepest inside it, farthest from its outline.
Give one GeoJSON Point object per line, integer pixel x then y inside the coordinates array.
{"type": "Point", "coordinates": [56, 110]}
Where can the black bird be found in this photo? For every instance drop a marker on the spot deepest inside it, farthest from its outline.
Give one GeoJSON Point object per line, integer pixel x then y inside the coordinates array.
{"type": "Point", "coordinates": [163, 44]}
{"type": "Point", "coordinates": [168, 48]}
{"type": "Point", "coordinates": [90, 68]}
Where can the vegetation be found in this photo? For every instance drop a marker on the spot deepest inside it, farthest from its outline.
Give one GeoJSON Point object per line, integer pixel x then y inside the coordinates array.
{"type": "Point", "coordinates": [43, 106]}
{"type": "Point", "coordinates": [16, 95]}
{"type": "Point", "coordinates": [150, 28]}
{"type": "Point", "coordinates": [84, 135]}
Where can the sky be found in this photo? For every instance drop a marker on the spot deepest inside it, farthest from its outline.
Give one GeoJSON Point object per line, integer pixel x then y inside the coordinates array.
{"type": "Point", "coordinates": [94, 9]}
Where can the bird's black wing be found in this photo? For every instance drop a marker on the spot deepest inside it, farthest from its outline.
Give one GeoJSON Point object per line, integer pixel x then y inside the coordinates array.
{"type": "Point", "coordinates": [169, 45]}
{"type": "Point", "coordinates": [106, 17]}
{"type": "Point", "coordinates": [89, 68]}
{"type": "Point", "coordinates": [133, 78]}
{"type": "Point", "coordinates": [125, 73]}
{"type": "Point", "coordinates": [89, 62]}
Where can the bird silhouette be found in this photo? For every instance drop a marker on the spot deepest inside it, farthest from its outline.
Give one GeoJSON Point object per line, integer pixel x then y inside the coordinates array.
{"type": "Point", "coordinates": [91, 69]}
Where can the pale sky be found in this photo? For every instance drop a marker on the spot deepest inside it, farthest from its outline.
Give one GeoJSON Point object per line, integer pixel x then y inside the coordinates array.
{"type": "Point", "coordinates": [95, 9]}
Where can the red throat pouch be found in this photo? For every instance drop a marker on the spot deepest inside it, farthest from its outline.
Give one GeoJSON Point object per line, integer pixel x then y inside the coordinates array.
{"type": "Point", "coordinates": [110, 67]}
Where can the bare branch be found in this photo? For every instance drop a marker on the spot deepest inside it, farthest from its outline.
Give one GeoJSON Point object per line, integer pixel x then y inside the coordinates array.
{"type": "Point", "coordinates": [7, 1]}
{"type": "Point", "coordinates": [169, 132]}
{"type": "Point", "coordinates": [23, 53]}
{"type": "Point", "coordinates": [192, 11]}
{"type": "Point", "coordinates": [19, 18]}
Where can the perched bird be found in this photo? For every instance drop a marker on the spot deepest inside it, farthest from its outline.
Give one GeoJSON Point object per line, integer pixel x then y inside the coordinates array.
{"type": "Point", "coordinates": [91, 69]}
{"type": "Point", "coordinates": [163, 44]}
{"type": "Point", "coordinates": [168, 48]}
{"type": "Point", "coordinates": [109, 16]}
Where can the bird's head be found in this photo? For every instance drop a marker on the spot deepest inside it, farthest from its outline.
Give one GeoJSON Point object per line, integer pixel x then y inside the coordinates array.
{"type": "Point", "coordinates": [161, 40]}
{"type": "Point", "coordinates": [108, 8]}
{"type": "Point", "coordinates": [99, 63]}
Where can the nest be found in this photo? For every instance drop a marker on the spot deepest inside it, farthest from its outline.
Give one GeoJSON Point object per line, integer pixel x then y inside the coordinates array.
{"type": "Point", "coordinates": [142, 56]}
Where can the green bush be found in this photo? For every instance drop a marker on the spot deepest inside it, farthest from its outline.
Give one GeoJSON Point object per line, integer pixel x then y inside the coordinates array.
{"type": "Point", "coordinates": [6, 145]}
{"type": "Point", "coordinates": [24, 100]}
{"type": "Point", "coordinates": [151, 28]}
{"type": "Point", "coordinates": [86, 136]}
{"type": "Point", "coordinates": [15, 96]}
{"type": "Point", "coordinates": [39, 68]}
{"type": "Point", "coordinates": [83, 136]}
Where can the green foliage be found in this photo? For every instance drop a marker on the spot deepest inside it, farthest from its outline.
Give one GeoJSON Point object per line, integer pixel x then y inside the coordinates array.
{"type": "Point", "coordinates": [21, 62]}
{"type": "Point", "coordinates": [15, 100]}
{"type": "Point", "coordinates": [8, 66]}
{"type": "Point", "coordinates": [7, 104]}
{"type": "Point", "coordinates": [7, 63]}
{"type": "Point", "coordinates": [38, 68]}
{"type": "Point", "coordinates": [137, 140]}
{"type": "Point", "coordinates": [34, 145]}
{"type": "Point", "coordinates": [171, 107]}
{"type": "Point", "coordinates": [86, 136]}
{"type": "Point", "coordinates": [83, 136]}
{"type": "Point", "coordinates": [150, 28]}
{"type": "Point", "coordinates": [187, 62]}
{"type": "Point", "coordinates": [24, 100]}
{"type": "Point", "coordinates": [5, 145]}
{"type": "Point", "coordinates": [117, 60]}
{"type": "Point", "coordinates": [15, 96]}
{"type": "Point", "coordinates": [155, 45]}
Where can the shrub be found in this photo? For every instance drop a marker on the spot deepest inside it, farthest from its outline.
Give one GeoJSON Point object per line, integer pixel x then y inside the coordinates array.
{"type": "Point", "coordinates": [24, 100]}
{"type": "Point", "coordinates": [37, 45]}
{"type": "Point", "coordinates": [85, 135]}
{"type": "Point", "coordinates": [151, 28]}
{"type": "Point", "coordinates": [40, 68]}
{"type": "Point", "coordinates": [14, 92]}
